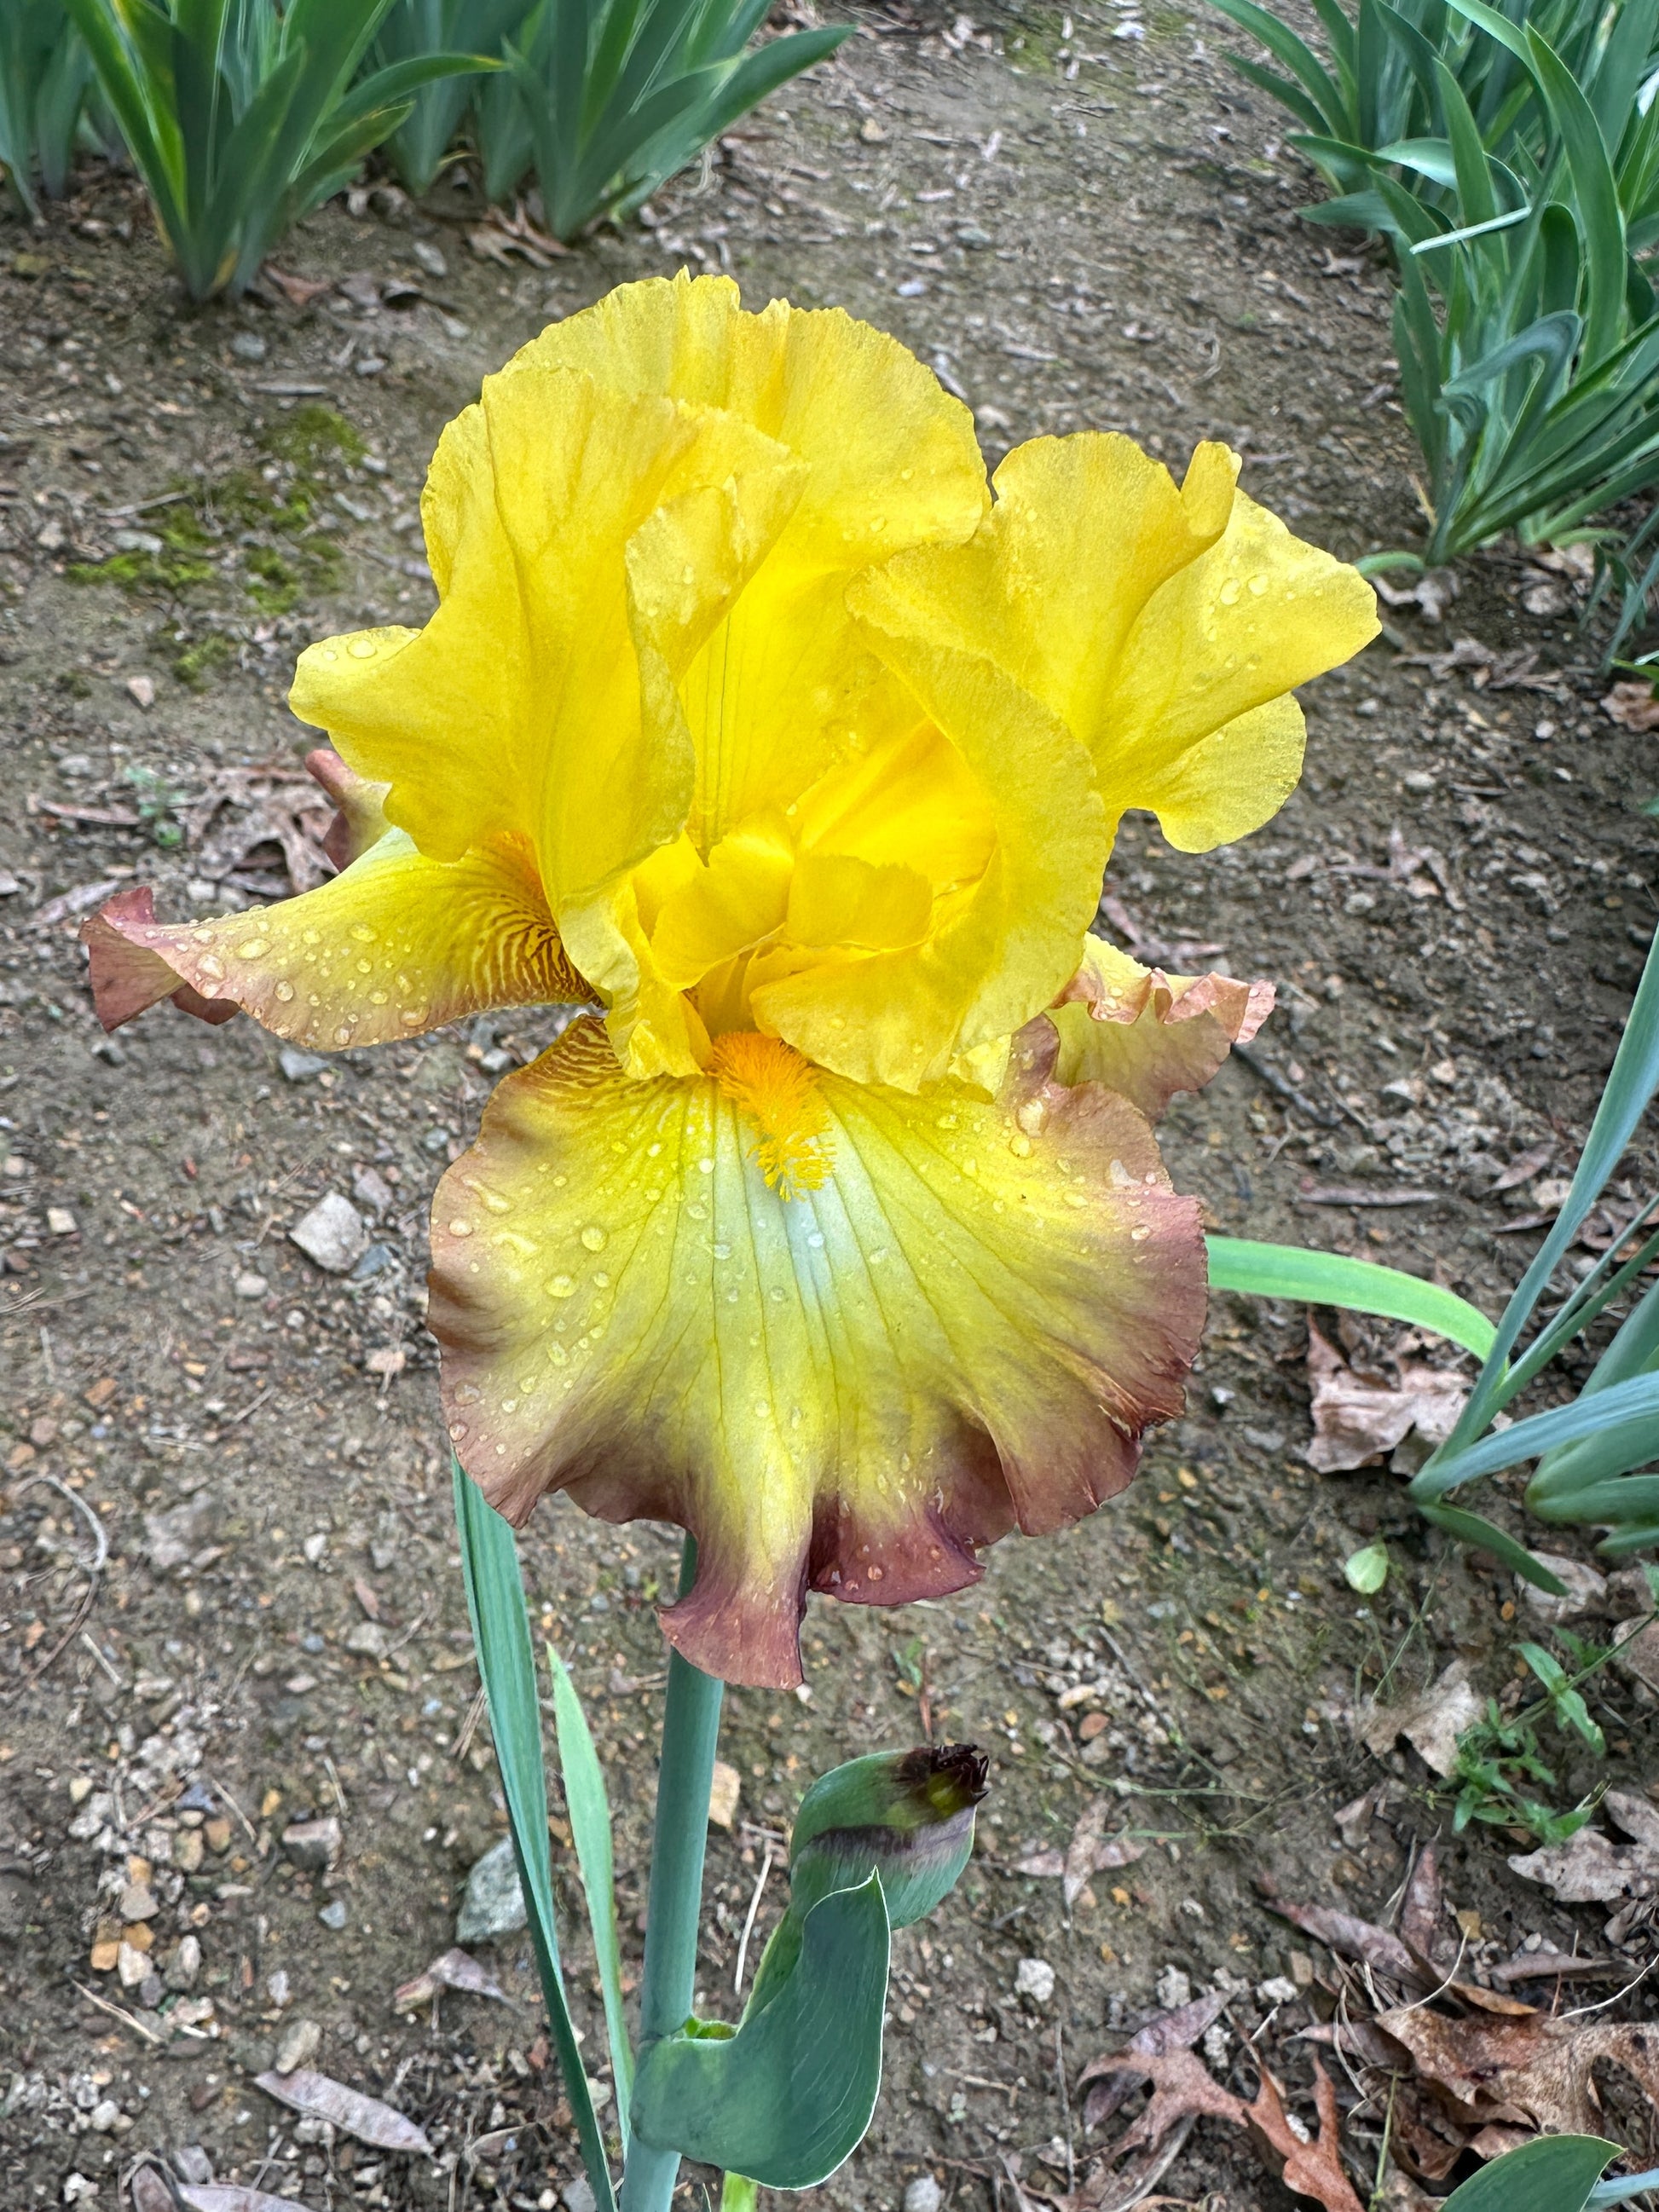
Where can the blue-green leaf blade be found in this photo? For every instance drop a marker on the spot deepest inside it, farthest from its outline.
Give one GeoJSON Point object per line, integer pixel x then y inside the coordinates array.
{"type": "Point", "coordinates": [1331, 1279]}
{"type": "Point", "coordinates": [787, 2097]}
{"type": "Point", "coordinates": [500, 1633]}
{"type": "Point", "coordinates": [1555, 2175]}
{"type": "Point", "coordinates": [589, 1806]}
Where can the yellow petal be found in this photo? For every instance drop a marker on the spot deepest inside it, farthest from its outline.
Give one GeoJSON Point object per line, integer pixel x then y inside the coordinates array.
{"type": "Point", "coordinates": [1017, 791]}
{"type": "Point", "coordinates": [1163, 627]}
{"type": "Point", "coordinates": [838, 898]}
{"type": "Point", "coordinates": [962, 1329]}
{"type": "Point", "coordinates": [584, 542]}
{"type": "Point", "coordinates": [1147, 1035]}
{"type": "Point", "coordinates": [1197, 726]}
{"type": "Point", "coordinates": [739, 897]}
{"type": "Point", "coordinates": [396, 944]}
{"type": "Point", "coordinates": [889, 460]}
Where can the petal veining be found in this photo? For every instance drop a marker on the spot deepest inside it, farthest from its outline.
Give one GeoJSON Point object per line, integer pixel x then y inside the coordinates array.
{"type": "Point", "coordinates": [962, 1328]}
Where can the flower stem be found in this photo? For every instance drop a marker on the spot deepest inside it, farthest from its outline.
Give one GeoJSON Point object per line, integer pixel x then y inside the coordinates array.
{"type": "Point", "coordinates": [690, 1729]}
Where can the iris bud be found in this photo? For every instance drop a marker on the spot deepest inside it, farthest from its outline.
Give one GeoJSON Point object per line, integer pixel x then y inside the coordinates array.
{"type": "Point", "coordinates": [906, 1814]}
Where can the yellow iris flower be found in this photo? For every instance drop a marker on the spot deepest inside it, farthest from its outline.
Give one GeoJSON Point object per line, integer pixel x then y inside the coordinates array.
{"type": "Point", "coordinates": [748, 713]}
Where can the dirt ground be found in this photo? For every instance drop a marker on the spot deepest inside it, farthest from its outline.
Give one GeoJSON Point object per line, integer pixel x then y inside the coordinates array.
{"type": "Point", "coordinates": [1078, 221]}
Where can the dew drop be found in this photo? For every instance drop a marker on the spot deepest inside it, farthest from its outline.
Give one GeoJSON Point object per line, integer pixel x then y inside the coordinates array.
{"type": "Point", "coordinates": [211, 967]}
{"type": "Point", "coordinates": [1228, 594]}
{"type": "Point", "coordinates": [1032, 1116]}
{"type": "Point", "coordinates": [594, 1238]}
{"type": "Point", "coordinates": [343, 1035]}
{"type": "Point", "coordinates": [705, 1165]}
{"type": "Point", "coordinates": [361, 649]}
{"type": "Point", "coordinates": [253, 948]}
{"type": "Point", "coordinates": [1258, 586]}
{"type": "Point", "coordinates": [467, 1393]}
{"type": "Point", "coordinates": [1019, 1145]}
{"type": "Point", "coordinates": [1140, 1233]}
{"type": "Point", "coordinates": [601, 1281]}
{"type": "Point", "coordinates": [285, 992]}
{"type": "Point", "coordinates": [562, 1286]}
{"type": "Point", "coordinates": [721, 1251]}
{"type": "Point", "coordinates": [816, 1240]}
{"type": "Point", "coordinates": [363, 933]}
{"type": "Point", "coordinates": [460, 1227]}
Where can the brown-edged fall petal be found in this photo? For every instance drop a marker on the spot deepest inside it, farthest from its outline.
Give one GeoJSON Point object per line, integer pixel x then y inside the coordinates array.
{"type": "Point", "coordinates": [395, 945]}
{"type": "Point", "coordinates": [1146, 1033]}
{"type": "Point", "coordinates": [964, 1326]}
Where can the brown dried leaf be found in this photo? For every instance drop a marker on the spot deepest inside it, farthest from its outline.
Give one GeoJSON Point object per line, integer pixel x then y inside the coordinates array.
{"type": "Point", "coordinates": [1420, 1907]}
{"type": "Point", "coordinates": [366, 2117]}
{"type": "Point", "coordinates": [1431, 1723]}
{"type": "Point", "coordinates": [1312, 2169]}
{"type": "Point", "coordinates": [1632, 706]}
{"type": "Point", "coordinates": [1357, 1421]}
{"type": "Point", "coordinates": [455, 1970]}
{"type": "Point", "coordinates": [224, 2197]}
{"type": "Point", "coordinates": [241, 809]}
{"type": "Point", "coordinates": [1533, 2073]}
{"type": "Point", "coordinates": [1169, 2031]}
{"type": "Point", "coordinates": [1352, 1939]}
{"type": "Point", "coordinates": [1182, 2085]}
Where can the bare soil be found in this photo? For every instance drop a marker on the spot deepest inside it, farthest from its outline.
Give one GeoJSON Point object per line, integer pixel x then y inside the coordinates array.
{"type": "Point", "coordinates": [1076, 228]}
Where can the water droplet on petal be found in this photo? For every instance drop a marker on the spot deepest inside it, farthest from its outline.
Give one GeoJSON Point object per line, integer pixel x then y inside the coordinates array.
{"type": "Point", "coordinates": [285, 992]}
{"type": "Point", "coordinates": [253, 948]}
{"type": "Point", "coordinates": [1228, 594]}
{"type": "Point", "coordinates": [363, 648]}
{"type": "Point", "coordinates": [460, 1227]}
{"type": "Point", "coordinates": [562, 1286]}
{"type": "Point", "coordinates": [594, 1238]}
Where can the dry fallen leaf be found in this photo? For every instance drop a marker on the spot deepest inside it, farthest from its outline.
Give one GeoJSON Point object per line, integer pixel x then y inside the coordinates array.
{"type": "Point", "coordinates": [455, 1970]}
{"type": "Point", "coordinates": [1183, 2088]}
{"type": "Point", "coordinates": [1353, 1939]}
{"type": "Point", "coordinates": [1357, 1421]}
{"type": "Point", "coordinates": [223, 2197]}
{"type": "Point", "coordinates": [1312, 2169]}
{"type": "Point", "coordinates": [1170, 2031]}
{"type": "Point", "coordinates": [1590, 1869]}
{"type": "Point", "coordinates": [366, 2117]}
{"type": "Point", "coordinates": [1086, 1854]}
{"type": "Point", "coordinates": [242, 809]}
{"type": "Point", "coordinates": [1632, 706]}
{"type": "Point", "coordinates": [1431, 1723]}
{"type": "Point", "coordinates": [1535, 2073]}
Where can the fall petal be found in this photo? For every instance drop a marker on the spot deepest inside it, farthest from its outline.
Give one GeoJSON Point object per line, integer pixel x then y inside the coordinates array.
{"type": "Point", "coordinates": [396, 944]}
{"type": "Point", "coordinates": [1147, 1035]}
{"type": "Point", "coordinates": [964, 1328]}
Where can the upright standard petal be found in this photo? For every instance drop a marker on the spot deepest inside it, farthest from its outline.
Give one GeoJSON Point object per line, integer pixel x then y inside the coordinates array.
{"type": "Point", "coordinates": [1147, 1035]}
{"type": "Point", "coordinates": [960, 1322]}
{"type": "Point", "coordinates": [889, 460]}
{"type": "Point", "coordinates": [396, 944]}
{"type": "Point", "coordinates": [584, 543]}
{"type": "Point", "coordinates": [1165, 628]}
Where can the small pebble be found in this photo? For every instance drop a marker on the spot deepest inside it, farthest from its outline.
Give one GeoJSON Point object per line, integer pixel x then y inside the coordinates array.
{"type": "Point", "coordinates": [1034, 1979]}
{"type": "Point", "coordinates": [923, 2194]}
{"type": "Point", "coordinates": [334, 1915]}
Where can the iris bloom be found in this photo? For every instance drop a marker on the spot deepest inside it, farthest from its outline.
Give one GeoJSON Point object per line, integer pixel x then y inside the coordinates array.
{"type": "Point", "coordinates": [842, 1238]}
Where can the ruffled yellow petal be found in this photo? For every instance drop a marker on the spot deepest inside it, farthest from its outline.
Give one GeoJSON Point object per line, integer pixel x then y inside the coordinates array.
{"type": "Point", "coordinates": [960, 1323]}
{"type": "Point", "coordinates": [889, 460]}
{"type": "Point", "coordinates": [1164, 627]}
{"type": "Point", "coordinates": [1198, 726]}
{"type": "Point", "coordinates": [1147, 1035]}
{"type": "Point", "coordinates": [584, 543]}
{"type": "Point", "coordinates": [396, 944]}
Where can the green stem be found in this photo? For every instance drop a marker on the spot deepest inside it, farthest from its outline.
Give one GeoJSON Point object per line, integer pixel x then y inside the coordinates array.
{"type": "Point", "coordinates": [690, 1729]}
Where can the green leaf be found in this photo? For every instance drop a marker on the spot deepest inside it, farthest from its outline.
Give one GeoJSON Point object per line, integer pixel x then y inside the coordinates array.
{"type": "Point", "coordinates": [1330, 1278]}
{"type": "Point", "coordinates": [1367, 1570]}
{"type": "Point", "coordinates": [1484, 1536]}
{"type": "Point", "coordinates": [787, 2097]}
{"type": "Point", "coordinates": [590, 1824]}
{"type": "Point", "coordinates": [500, 1634]}
{"type": "Point", "coordinates": [1557, 2173]}
{"type": "Point", "coordinates": [1629, 1091]}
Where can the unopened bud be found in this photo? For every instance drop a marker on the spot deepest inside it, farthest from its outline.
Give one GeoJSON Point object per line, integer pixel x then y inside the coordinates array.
{"type": "Point", "coordinates": [906, 1814]}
